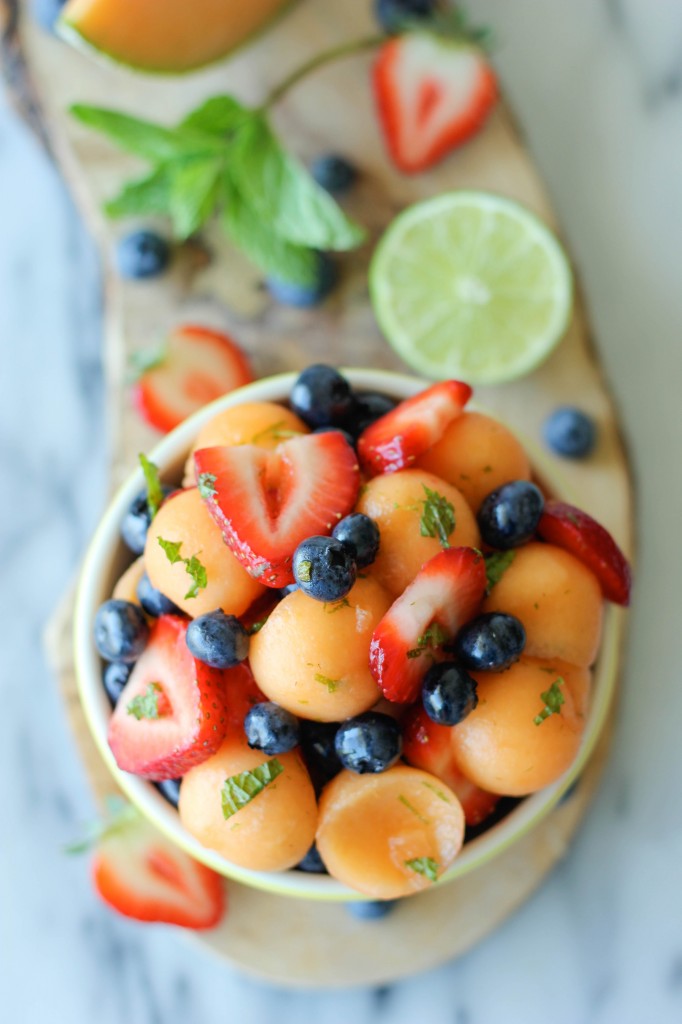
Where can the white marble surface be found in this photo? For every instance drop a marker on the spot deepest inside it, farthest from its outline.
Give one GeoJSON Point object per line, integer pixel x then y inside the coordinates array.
{"type": "Point", "coordinates": [597, 85]}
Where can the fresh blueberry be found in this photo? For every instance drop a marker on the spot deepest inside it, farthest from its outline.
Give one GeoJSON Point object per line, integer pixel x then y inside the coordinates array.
{"type": "Point", "coordinates": [305, 296]}
{"type": "Point", "coordinates": [136, 522]}
{"type": "Point", "coordinates": [346, 435]}
{"type": "Point", "coordinates": [115, 677]}
{"type": "Point", "coordinates": [448, 693]}
{"type": "Point", "coordinates": [333, 173]}
{"type": "Point", "coordinates": [370, 910]}
{"type": "Point", "coordinates": [153, 601]}
{"type": "Point", "coordinates": [509, 515]}
{"type": "Point", "coordinates": [312, 862]}
{"type": "Point", "coordinates": [360, 535]}
{"type": "Point", "coordinates": [321, 396]}
{"type": "Point", "coordinates": [370, 742]}
{"type": "Point", "coordinates": [217, 639]}
{"type": "Point", "coordinates": [490, 642]}
{"type": "Point", "coordinates": [46, 12]}
{"type": "Point", "coordinates": [393, 14]}
{"type": "Point", "coordinates": [121, 631]}
{"type": "Point", "coordinates": [170, 790]}
{"type": "Point", "coordinates": [324, 568]}
{"type": "Point", "coordinates": [319, 751]}
{"type": "Point", "coordinates": [368, 408]}
{"type": "Point", "coordinates": [272, 729]}
{"type": "Point", "coordinates": [142, 254]}
{"type": "Point", "coordinates": [570, 432]}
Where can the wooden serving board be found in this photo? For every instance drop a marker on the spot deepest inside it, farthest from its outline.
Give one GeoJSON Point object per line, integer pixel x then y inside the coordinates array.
{"type": "Point", "coordinates": [212, 283]}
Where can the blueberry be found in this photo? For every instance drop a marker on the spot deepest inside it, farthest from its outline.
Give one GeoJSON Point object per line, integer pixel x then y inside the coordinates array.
{"type": "Point", "coordinates": [570, 432]}
{"type": "Point", "coordinates": [321, 396]}
{"type": "Point", "coordinates": [312, 862]}
{"type": "Point", "coordinates": [136, 522]}
{"type": "Point", "coordinates": [319, 751]}
{"type": "Point", "coordinates": [509, 515]}
{"type": "Point", "coordinates": [370, 742]}
{"type": "Point", "coordinates": [448, 693]}
{"type": "Point", "coordinates": [490, 642]}
{"type": "Point", "coordinates": [360, 535]}
{"type": "Point", "coordinates": [153, 601]}
{"type": "Point", "coordinates": [116, 675]}
{"type": "Point", "coordinates": [324, 568]}
{"type": "Point", "coordinates": [305, 296]}
{"type": "Point", "coordinates": [46, 12]}
{"type": "Point", "coordinates": [333, 173]}
{"type": "Point", "coordinates": [346, 435]}
{"type": "Point", "coordinates": [121, 631]}
{"type": "Point", "coordinates": [370, 910]}
{"type": "Point", "coordinates": [142, 254]}
{"type": "Point", "coordinates": [368, 408]}
{"type": "Point", "coordinates": [272, 729]}
{"type": "Point", "coordinates": [393, 14]}
{"type": "Point", "coordinates": [170, 790]}
{"type": "Point", "coordinates": [217, 639]}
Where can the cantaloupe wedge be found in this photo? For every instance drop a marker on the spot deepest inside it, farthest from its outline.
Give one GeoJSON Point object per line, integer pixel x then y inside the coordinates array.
{"type": "Point", "coordinates": [165, 35]}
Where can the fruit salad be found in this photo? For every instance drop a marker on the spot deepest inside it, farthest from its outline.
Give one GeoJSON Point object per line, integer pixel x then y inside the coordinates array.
{"type": "Point", "coordinates": [352, 632]}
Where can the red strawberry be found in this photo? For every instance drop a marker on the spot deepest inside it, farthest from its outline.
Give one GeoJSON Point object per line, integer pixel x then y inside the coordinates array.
{"type": "Point", "coordinates": [570, 528]}
{"type": "Point", "coordinates": [187, 698]}
{"type": "Point", "coordinates": [395, 440]}
{"type": "Point", "coordinates": [445, 594]}
{"type": "Point", "coordinates": [428, 746]}
{"type": "Point", "coordinates": [241, 693]}
{"type": "Point", "coordinates": [143, 875]}
{"type": "Point", "coordinates": [267, 502]}
{"type": "Point", "coordinates": [197, 366]}
{"type": "Point", "coordinates": [432, 95]}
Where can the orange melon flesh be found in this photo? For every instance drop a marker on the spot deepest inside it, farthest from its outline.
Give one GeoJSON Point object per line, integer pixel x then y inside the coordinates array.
{"type": "Point", "coordinates": [167, 35]}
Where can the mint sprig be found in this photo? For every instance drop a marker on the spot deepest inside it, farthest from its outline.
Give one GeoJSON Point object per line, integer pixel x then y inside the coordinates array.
{"type": "Point", "coordinates": [146, 705]}
{"type": "Point", "coordinates": [193, 567]}
{"type": "Point", "coordinates": [495, 567]}
{"type": "Point", "coordinates": [155, 493]}
{"type": "Point", "coordinates": [552, 700]}
{"type": "Point", "coordinates": [239, 790]}
{"type": "Point", "coordinates": [425, 866]}
{"type": "Point", "coordinates": [438, 517]}
{"type": "Point", "coordinates": [434, 636]}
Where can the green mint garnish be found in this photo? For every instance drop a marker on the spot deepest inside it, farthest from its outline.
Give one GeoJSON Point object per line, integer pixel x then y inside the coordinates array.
{"type": "Point", "coordinates": [336, 605]}
{"type": "Point", "coordinates": [331, 684]}
{"type": "Point", "coordinates": [435, 636]}
{"type": "Point", "coordinates": [552, 700]}
{"type": "Point", "coordinates": [406, 803]}
{"type": "Point", "coordinates": [495, 567]}
{"type": "Point", "coordinates": [438, 517]}
{"type": "Point", "coordinates": [119, 816]}
{"type": "Point", "coordinates": [439, 792]}
{"type": "Point", "coordinates": [148, 359]}
{"type": "Point", "coordinates": [257, 626]}
{"type": "Point", "coordinates": [193, 567]}
{"type": "Point", "coordinates": [239, 790]}
{"type": "Point", "coordinates": [206, 484]}
{"type": "Point", "coordinates": [154, 488]}
{"type": "Point", "coordinates": [426, 866]}
{"type": "Point", "coordinates": [278, 431]}
{"type": "Point", "coordinates": [145, 705]}
{"type": "Point", "coordinates": [172, 549]}
{"type": "Point", "coordinates": [305, 569]}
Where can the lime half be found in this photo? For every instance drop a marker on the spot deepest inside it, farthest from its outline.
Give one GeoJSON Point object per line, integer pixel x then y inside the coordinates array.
{"type": "Point", "coordinates": [471, 285]}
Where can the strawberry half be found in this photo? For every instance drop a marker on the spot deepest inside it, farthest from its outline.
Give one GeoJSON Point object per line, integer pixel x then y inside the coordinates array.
{"type": "Point", "coordinates": [143, 875]}
{"type": "Point", "coordinates": [397, 439]}
{"type": "Point", "coordinates": [428, 746]}
{"type": "Point", "coordinates": [267, 502]}
{"type": "Point", "coordinates": [577, 532]}
{"type": "Point", "coordinates": [197, 366]}
{"type": "Point", "coordinates": [445, 594]}
{"type": "Point", "coordinates": [432, 94]}
{"type": "Point", "coordinates": [172, 713]}
{"type": "Point", "coordinates": [241, 693]}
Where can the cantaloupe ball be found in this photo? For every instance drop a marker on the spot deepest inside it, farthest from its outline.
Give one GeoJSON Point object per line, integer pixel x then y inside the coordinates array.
{"type": "Point", "coordinates": [396, 502]}
{"type": "Point", "coordinates": [557, 599]}
{"type": "Point", "coordinates": [185, 518]}
{"type": "Point", "coordinates": [273, 831]}
{"type": "Point", "coordinates": [389, 835]}
{"type": "Point", "coordinates": [313, 657]}
{"type": "Point", "coordinates": [477, 454]}
{"type": "Point", "coordinates": [498, 745]}
{"type": "Point", "coordinates": [126, 585]}
{"type": "Point", "coordinates": [264, 424]}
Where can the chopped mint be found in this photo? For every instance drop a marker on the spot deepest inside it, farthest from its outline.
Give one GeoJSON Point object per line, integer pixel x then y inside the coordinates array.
{"type": "Point", "coordinates": [438, 517]}
{"type": "Point", "coordinates": [172, 549]}
{"type": "Point", "coordinates": [193, 567]}
{"type": "Point", "coordinates": [148, 359]}
{"type": "Point", "coordinates": [552, 699]}
{"type": "Point", "coordinates": [406, 803]}
{"type": "Point", "coordinates": [278, 431]}
{"type": "Point", "coordinates": [435, 636]}
{"type": "Point", "coordinates": [119, 816]}
{"type": "Point", "coordinates": [257, 626]}
{"type": "Point", "coordinates": [331, 684]}
{"type": "Point", "coordinates": [426, 866]}
{"type": "Point", "coordinates": [496, 565]}
{"type": "Point", "coordinates": [439, 792]}
{"type": "Point", "coordinates": [336, 605]}
{"type": "Point", "coordinates": [239, 790]}
{"type": "Point", "coordinates": [146, 705]}
{"type": "Point", "coordinates": [154, 488]}
{"type": "Point", "coordinates": [305, 569]}
{"type": "Point", "coordinates": [206, 484]}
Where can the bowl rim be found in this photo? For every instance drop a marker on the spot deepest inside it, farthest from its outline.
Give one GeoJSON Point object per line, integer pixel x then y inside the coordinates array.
{"type": "Point", "coordinates": [93, 588]}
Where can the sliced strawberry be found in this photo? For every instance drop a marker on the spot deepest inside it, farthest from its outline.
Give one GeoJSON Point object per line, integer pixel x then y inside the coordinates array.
{"type": "Point", "coordinates": [267, 502]}
{"type": "Point", "coordinates": [403, 434]}
{"type": "Point", "coordinates": [432, 94]}
{"type": "Point", "coordinates": [428, 746]}
{"type": "Point", "coordinates": [198, 365]}
{"type": "Point", "coordinates": [241, 693]}
{"type": "Point", "coordinates": [575, 531]}
{"type": "Point", "coordinates": [445, 594]}
{"type": "Point", "coordinates": [143, 875]}
{"type": "Point", "coordinates": [190, 703]}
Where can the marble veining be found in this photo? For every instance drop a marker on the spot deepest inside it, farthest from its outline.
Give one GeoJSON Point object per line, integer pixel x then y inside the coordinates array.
{"type": "Point", "coordinates": [596, 86]}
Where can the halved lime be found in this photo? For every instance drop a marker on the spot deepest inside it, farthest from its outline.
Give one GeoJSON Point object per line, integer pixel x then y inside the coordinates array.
{"type": "Point", "coordinates": [471, 285]}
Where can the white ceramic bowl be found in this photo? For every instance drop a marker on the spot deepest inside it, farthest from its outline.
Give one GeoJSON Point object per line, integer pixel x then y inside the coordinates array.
{"type": "Point", "coordinates": [106, 559]}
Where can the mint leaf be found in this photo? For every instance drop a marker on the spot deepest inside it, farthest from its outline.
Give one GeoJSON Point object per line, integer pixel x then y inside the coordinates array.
{"type": "Point", "coordinates": [257, 626]}
{"type": "Point", "coordinates": [145, 705]}
{"type": "Point", "coordinates": [331, 684]}
{"type": "Point", "coordinates": [240, 790]}
{"type": "Point", "coordinates": [552, 699]}
{"type": "Point", "coordinates": [438, 517]}
{"type": "Point", "coordinates": [172, 549]}
{"type": "Point", "coordinates": [154, 489]}
{"type": "Point", "coordinates": [142, 197]}
{"type": "Point", "coordinates": [148, 359]}
{"type": "Point", "coordinates": [434, 636]}
{"type": "Point", "coordinates": [219, 115]}
{"type": "Point", "coordinates": [197, 572]}
{"type": "Point", "coordinates": [426, 866]}
{"type": "Point", "coordinates": [143, 138]}
{"type": "Point", "coordinates": [119, 816]}
{"type": "Point", "coordinates": [406, 803]}
{"type": "Point", "coordinates": [495, 567]}
{"type": "Point", "coordinates": [206, 483]}
{"type": "Point", "coordinates": [193, 193]}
